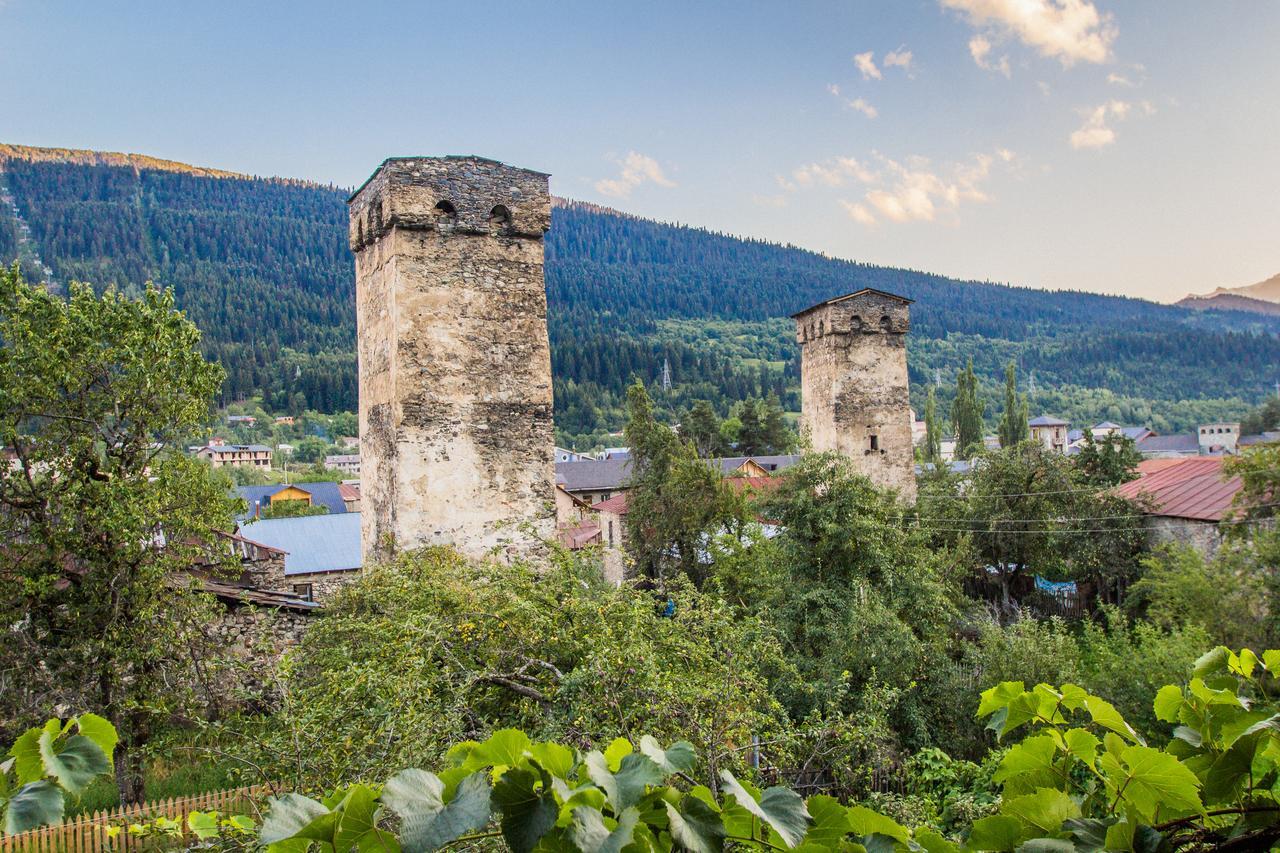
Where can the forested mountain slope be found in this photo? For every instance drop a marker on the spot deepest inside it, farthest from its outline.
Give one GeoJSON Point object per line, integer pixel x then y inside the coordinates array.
{"type": "Point", "coordinates": [261, 265]}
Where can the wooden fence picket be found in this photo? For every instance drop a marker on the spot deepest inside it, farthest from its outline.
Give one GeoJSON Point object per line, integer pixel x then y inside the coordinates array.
{"type": "Point", "coordinates": [88, 834]}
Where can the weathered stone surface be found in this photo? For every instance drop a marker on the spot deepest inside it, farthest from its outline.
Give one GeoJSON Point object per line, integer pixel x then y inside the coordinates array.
{"type": "Point", "coordinates": [455, 364]}
{"type": "Point", "coordinates": [853, 385]}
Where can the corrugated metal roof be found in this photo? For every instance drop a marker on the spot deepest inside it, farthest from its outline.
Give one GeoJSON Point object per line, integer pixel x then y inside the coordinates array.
{"type": "Point", "coordinates": [315, 543]}
{"type": "Point", "coordinates": [1185, 443]}
{"type": "Point", "coordinates": [589, 475]}
{"type": "Point", "coordinates": [1046, 420]}
{"type": "Point", "coordinates": [1184, 488]}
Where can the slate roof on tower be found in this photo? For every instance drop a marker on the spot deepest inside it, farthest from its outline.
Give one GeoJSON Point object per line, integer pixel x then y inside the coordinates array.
{"type": "Point", "coordinates": [866, 290]}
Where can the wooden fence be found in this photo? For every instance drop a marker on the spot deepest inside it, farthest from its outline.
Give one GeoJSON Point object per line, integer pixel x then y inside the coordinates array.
{"type": "Point", "coordinates": [88, 833]}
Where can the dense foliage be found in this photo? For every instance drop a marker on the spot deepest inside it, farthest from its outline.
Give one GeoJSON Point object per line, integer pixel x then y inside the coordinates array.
{"type": "Point", "coordinates": [101, 519]}
{"type": "Point", "coordinates": [262, 266]}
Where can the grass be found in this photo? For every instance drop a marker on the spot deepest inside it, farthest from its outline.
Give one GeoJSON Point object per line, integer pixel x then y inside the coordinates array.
{"type": "Point", "coordinates": [164, 778]}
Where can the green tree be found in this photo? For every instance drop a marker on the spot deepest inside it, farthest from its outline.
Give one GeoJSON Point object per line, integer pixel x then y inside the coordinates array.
{"type": "Point", "coordinates": [932, 430]}
{"type": "Point", "coordinates": [1013, 423]}
{"type": "Point", "coordinates": [675, 500]}
{"type": "Point", "coordinates": [777, 438]}
{"type": "Point", "coordinates": [863, 599]}
{"type": "Point", "coordinates": [1109, 462]}
{"type": "Point", "coordinates": [752, 439]}
{"type": "Point", "coordinates": [701, 426]}
{"type": "Point", "coordinates": [967, 412]}
{"type": "Point", "coordinates": [1015, 510]}
{"type": "Point", "coordinates": [94, 394]}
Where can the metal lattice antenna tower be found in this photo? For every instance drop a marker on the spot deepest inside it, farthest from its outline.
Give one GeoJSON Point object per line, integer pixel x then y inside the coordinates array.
{"type": "Point", "coordinates": [1031, 383]}
{"type": "Point", "coordinates": [937, 377]}
{"type": "Point", "coordinates": [666, 375]}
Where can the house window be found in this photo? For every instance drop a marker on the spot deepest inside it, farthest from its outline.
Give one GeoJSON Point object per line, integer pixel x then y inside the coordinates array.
{"type": "Point", "coordinates": [303, 591]}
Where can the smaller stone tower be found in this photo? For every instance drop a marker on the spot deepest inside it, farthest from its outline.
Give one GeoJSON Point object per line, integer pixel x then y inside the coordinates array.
{"type": "Point", "coordinates": [456, 438]}
{"type": "Point", "coordinates": [853, 383]}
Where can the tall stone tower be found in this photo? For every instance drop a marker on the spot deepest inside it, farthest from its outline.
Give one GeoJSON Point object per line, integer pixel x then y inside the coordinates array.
{"type": "Point", "coordinates": [853, 383]}
{"type": "Point", "coordinates": [456, 438]}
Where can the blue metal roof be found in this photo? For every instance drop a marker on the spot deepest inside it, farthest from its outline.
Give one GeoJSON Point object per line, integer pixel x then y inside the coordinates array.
{"type": "Point", "coordinates": [314, 543]}
{"type": "Point", "coordinates": [322, 494]}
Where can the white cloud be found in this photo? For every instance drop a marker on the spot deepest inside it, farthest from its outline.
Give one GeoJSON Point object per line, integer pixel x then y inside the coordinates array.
{"type": "Point", "coordinates": [1043, 87]}
{"type": "Point", "coordinates": [867, 65]}
{"type": "Point", "coordinates": [832, 173]}
{"type": "Point", "coordinates": [859, 104]}
{"type": "Point", "coordinates": [1097, 132]}
{"type": "Point", "coordinates": [1070, 31]}
{"type": "Point", "coordinates": [901, 58]}
{"type": "Point", "coordinates": [858, 212]}
{"type": "Point", "coordinates": [636, 169]}
{"type": "Point", "coordinates": [769, 200]}
{"type": "Point", "coordinates": [980, 50]}
{"type": "Point", "coordinates": [1118, 79]}
{"type": "Point", "coordinates": [908, 191]}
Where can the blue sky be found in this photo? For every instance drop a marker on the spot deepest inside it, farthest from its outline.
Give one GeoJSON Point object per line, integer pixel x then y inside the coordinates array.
{"type": "Point", "coordinates": [1091, 144]}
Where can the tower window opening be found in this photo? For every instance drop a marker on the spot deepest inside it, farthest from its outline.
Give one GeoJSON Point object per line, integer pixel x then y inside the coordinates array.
{"type": "Point", "coordinates": [875, 442]}
{"type": "Point", "coordinates": [500, 216]}
{"type": "Point", "coordinates": [446, 210]}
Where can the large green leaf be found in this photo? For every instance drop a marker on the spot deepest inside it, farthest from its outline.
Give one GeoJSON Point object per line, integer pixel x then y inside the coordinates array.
{"type": "Point", "coordinates": [528, 806]}
{"type": "Point", "coordinates": [1214, 660]}
{"type": "Point", "coordinates": [1148, 779]}
{"type": "Point", "coordinates": [830, 821]}
{"type": "Point", "coordinates": [100, 731]}
{"type": "Point", "coordinates": [1044, 811]}
{"type": "Point", "coordinates": [288, 816]}
{"type": "Point", "coordinates": [33, 805]}
{"type": "Point", "coordinates": [423, 827]}
{"type": "Point", "coordinates": [998, 697]}
{"type": "Point", "coordinates": [997, 832]}
{"type": "Point", "coordinates": [1090, 832]}
{"type": "Point", "coordinates": [413, 792]}
{"type": "Point", "coordinates": [933, 842]}
{"type": "Point", "coordinates": [76, 764]}
{"type": "Point", "coordinates": [695, 826]}
{"type": "Point", "coordinates": [591, 835]}
{"type": "Point", "coordinates": [504, 748]}
{"type": "Point", "coordinates": [27, 762]}
{"type": "Point", "coordinates": [555, 759]}
{"type": "Point", "coordinates": [865, 822]}
{"type": "Point", "coordinates": [624, 788]}
{"type": "Point", "coordinates": [1106, 715]}
{"type": "Point", "coordinates": [1032, 759]}
{"type": "Point", "coordinates": [1230, 771]}
{"type": "Point", "coordinates": [781, 808]}
{"type": "Point", "coordinates": [1168, 702]}
{"type": "Point", "coordinates": [356, 823]}
{"type": "Point", "coordinates": [677, 758]}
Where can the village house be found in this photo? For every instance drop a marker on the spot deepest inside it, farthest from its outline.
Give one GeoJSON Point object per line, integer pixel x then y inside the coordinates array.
{"type": "Point", "coordinates": [241, 420]}
{"type": "Point", "coordinates": [596, 481]}
{"type": "Point", "coordinates": [321, 552]}
{"type": "Point", "coordinates": [284, 420]}
{"type": "Point", "coordinates": [329, 495]}
{"type": "Point", "coordinates": [1049, 432]}
{"type": "Point", "coordinates": [220, 454]}
{"type": "Point", "coordinates": [1190, 501]}
{"type": "Point", "coordinates": [347, 463]}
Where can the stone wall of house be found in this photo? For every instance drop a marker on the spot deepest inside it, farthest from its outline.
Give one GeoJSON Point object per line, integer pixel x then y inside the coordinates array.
{"type": "Point", "coordinates": [1204, 536]}
{"type": "Point", "coordinates": [324, 585]}
{"type": "Point", "coordinates": [455, 365]}
{"type": "Point", "coordinates": [853, 386]}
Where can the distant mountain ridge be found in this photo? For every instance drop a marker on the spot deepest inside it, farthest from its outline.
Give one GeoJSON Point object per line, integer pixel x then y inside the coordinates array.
{"type": "Point", "coordinates": [262, 266]}
{"type": "Point", "coordinates": [1262, 298]}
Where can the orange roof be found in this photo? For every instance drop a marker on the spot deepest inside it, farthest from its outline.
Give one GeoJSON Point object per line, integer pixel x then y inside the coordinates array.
{"type": "Point", "coordinates": [580, 535]}
{"type": "Point", "coordinates": [1184, 488]}
{"type": "Point", "coordinates": [754, 484]}
{"type": "Point", "coordinates": [349, 491]}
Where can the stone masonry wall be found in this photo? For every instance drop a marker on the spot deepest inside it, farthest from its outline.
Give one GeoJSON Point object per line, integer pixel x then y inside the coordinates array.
{"type": "Point", "coordinates": [454, 360]}
{"type": "Point", "coordinates": [854, 385]}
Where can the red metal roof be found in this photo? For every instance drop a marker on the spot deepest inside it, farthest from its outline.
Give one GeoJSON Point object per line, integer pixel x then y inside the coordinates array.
{"type": "Point", "coordinates": [349, 491]}
{"type": "Point", "coordinates": [616, 504]}
{"type": "Point", "coordinates": [1184, 488]}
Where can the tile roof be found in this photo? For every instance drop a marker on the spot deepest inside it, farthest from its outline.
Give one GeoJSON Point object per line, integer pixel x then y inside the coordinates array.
{"type": "Point", "coordinates": [1045, 420]}
{"type": "Point", "coordinates": [315, 543]}
{"type": "Point", "coordinates": [1184, 488]}
{"type": "Point", "coordinates": [326, 494]}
